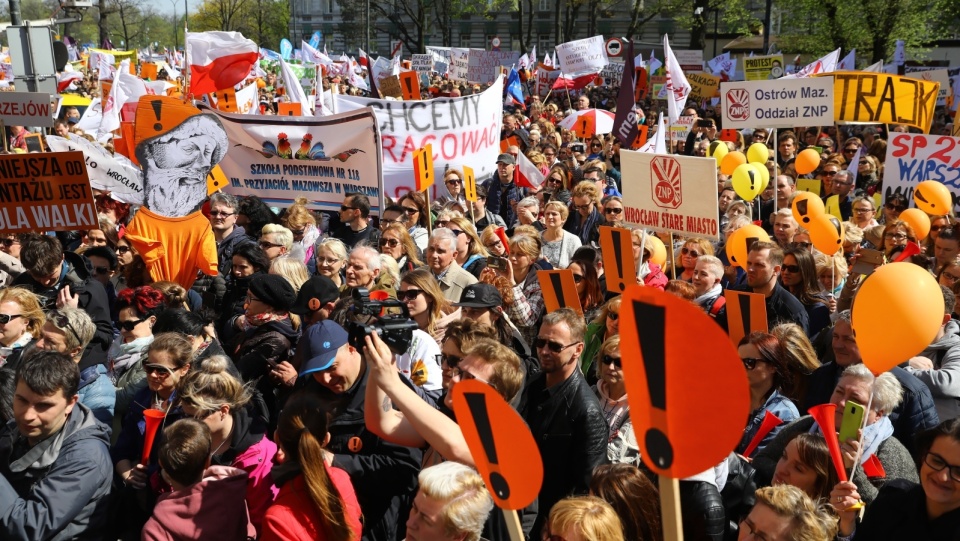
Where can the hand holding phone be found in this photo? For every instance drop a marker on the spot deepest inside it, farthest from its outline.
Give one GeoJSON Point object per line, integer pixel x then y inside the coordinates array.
{"type": "Point", "coordinates": [852, 421]}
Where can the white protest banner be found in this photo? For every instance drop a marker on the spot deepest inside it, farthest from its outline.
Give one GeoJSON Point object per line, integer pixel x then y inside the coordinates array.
{"type": "Point", "coordinates": [612, 74]}
{"type": "Point", "coordinates": [671, 193]}
{"type": "Point", "coordinates": [26, 109]}
{"type": "Point", "coordinates": [941, 76]}
{"type": "Point", "coordinates": [464, 132]}
{"type": "Point", "coordinates": [689, 60]}
{"type": "Point", "coordinates": [912, 158]}
{"type": "Point", "coordinates": [545, 80]}
{"type": "Point", "coordinates": [783, 103]}
{"type": "Point", "coordinates": [681, 128]}
{"type": "Point", "coordinates": [440, 54]}
{"type": "Point", "coordinates": [112, 173]}
{"type": "Point", "coordinates": [459, 64]}
{"type": "Point", "coordinates": [484, 66]}
{"type": "Point", "coordinates": [588, 55]}
{"type": "Point", "coordinates": [321, 158]}
{"type": "Point", "coordinates": [421, 63]}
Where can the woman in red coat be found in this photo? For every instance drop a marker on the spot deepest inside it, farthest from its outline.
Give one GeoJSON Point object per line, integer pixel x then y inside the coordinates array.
{"type": "Point", "coordinates": [316, 500]}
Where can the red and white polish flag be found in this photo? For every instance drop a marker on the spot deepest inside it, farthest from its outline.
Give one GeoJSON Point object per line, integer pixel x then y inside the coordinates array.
{"type": "Point", "coordinates": [219, 60]}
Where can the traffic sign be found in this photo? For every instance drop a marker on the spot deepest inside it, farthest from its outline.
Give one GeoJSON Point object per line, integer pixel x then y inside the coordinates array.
{"type": "Point", "coordinates": [614, 47]}
{"type": "Point", "coordinates": [495, 43]}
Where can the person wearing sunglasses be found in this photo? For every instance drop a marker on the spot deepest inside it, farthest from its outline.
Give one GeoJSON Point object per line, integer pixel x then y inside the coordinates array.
{"type": "Point", "coordinates": [582, 518]}
{"type": "Point", "coordinates": [798, 275]}
{"type": "Point", "coordinates": [396, 242]}
{"type": "Point", "coordinates": [21, 319]}
{"type": "Point", "coordinates": [275, 241]}
{"type": "Point", "coordinates": [303, 224]}
{"type": "Point", "coordinates": [453, 182]}
{"type": "Point", "coordinates": [612, 212]}
{"type": "Point", "coordinates": [559, 245]}
{"type": "Point", "coordinates": [768, 375]}
{"type": "Point", "coordinates": [590, 293]}
{"type": "Point", "coordinates": [611, 391]}
{"type": "Point", "coordinates": [421, 293]}
{"type": "Point", "coordinates": [764, 265]}
{"type": "Point", "coordinates": [167, 362]}
{"type": "Point", "coordinates": [937, 224]}
{"type": "Point", "coordinates": [827, 173]}
{"type": "Point", "coordinates": [416, 216]}
{"type": "Point", "coordinates": [471, 253]}
{"type": "Point", "coordinates": [558, 180]}
{"type": "Point", "coordinates": [928, 510]}
{"type": "Point", "coordinates": [354, 227]}
{"type": "Point", "coordinates": [131, 270]}
{"type": "Point", "coordinates": [687, 257]}
{"type": "Point", "coordinates": [785, 512]}
{"type": "Point", "coordinates": [893, 206]}
{"type": "Point", "coordinates": [137, 312]}
{"type": "Point", "coordinates": [229, 235]}
{"type": "Point", "coordinates": [570, 407]}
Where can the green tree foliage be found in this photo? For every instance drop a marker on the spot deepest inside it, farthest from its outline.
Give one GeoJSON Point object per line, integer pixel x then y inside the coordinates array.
{"type": "Point", "coordinates": [263, 21]}
{"type": "Point", "coordinates": [817, 27]}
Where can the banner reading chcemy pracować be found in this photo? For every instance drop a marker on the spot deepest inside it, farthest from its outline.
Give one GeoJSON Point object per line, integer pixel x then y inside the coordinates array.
{"type": "Point", "coordinates": [463, 131]}
{"type": "Point", "coordinates": [279, 159]}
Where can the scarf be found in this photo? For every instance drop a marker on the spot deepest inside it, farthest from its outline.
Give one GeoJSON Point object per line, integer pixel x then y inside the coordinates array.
{"type": "Point", "coordinates": [259, 320]}
{"type": "Point", "coordinates": [713, 293]}
{"type": "Point", "coordinates": [18, 344]}
{"type": "Point", "coordinates": [873, 436]}
{"type": "Point", "coordinates": [122, 356]}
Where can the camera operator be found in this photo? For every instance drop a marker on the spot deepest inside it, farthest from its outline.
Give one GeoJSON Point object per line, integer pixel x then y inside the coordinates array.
{"type": "Point", "coordinates": [702, 129]}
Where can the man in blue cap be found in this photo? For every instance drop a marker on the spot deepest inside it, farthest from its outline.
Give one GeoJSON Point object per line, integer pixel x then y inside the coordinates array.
{"type": "Point", "coordinates": [383, 474]}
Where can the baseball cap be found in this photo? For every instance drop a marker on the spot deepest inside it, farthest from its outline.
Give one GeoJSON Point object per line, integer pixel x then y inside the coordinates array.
{"type": "Point", "coordinates": [314, 293]}
{"type": "Point", "coordinates": [480, 296]}
{"type": "Point", "coordinates": [507, 159]}
{"type": "Point", "coordinates": [323, 340]}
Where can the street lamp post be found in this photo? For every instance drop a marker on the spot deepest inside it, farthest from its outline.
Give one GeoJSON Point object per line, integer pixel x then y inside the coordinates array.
{"type": "Point", "coordinates": [176, 34]}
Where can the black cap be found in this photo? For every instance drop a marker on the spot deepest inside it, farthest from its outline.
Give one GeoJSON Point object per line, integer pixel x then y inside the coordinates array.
{"type": "Point", "coordinates": [480, 296]}
{"type": "Point", "coordinates": [314, 293]}
{"type": "Point", "coordinates": [274, 291]}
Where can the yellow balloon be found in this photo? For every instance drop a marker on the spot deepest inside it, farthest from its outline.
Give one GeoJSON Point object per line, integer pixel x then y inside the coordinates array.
{"type": "Point", "coordinates": [758, 153]}
{"type": "Point", "coordinates": [896, 314]}
{"type": "Point", "coordinates": [764, 175]}
{"type": "Point", "coordinates": [747, 181]}
{"type": "Point", "coordinates": [731, 161]}
{"type": "Point", "coordinates": [918, 220]}
{"type": "Point", "coordinates": [933, 198]}
{"type": "Point", "coordinates": [717, 150]}
{"type": "Point", "coordinates": [739, 243]}
{"type": "Point", "coordinates": [826, 233]}
{"type": "Point", "coordinates": [659, 253]}
{"type": "Point", "coordinates": [805, 207]}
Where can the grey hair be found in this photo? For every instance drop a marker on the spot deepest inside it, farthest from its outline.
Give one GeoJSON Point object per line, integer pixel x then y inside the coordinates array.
{"type": "Point", "coordinates": [370, 256]}
{"type": "Point", "coordinates": [282, 235]}
{"type": "Point", "coordinates": [336, 246]}
{"type": "Point", "coordinates": [80, 323]}
{"type": "Point", "coordinates": [847, 316]}
{"type": "Point", "coordinates": [443, 233]}
{"type": "Point", "coordinates": [224, 199]}
{"type": "Point", "coordinates": [713, 264]}
{"type": "Point", "coordinates": [528, 202]}
{"type": "Point", "coordinates": [842, 173]}
{"type": "Point", "coordinates": [887, 391]}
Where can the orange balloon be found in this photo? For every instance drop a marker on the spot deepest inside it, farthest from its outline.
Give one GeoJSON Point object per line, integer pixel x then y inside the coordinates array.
{"type": "Point", "coordinates": [826, 233]}
{"type": "Point", "coordinates": [896, 314]}
{"type": "Point", "coordinates": [731, 161]}
{"type": "Point", "coordinates": [659, 253]}
{"type": "Point", "coordinates": [807, 161]}
{"type": "Point", "coordinates": [918, 220]}
{"type": "Point", "coordinates": [933, 198]}
{"type": "Point", "coordinates": [806, 206]}
{"type": "Point", "coordinates": [738, 245]}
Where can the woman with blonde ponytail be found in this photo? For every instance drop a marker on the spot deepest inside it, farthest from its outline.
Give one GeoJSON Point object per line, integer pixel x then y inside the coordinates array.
{"type": "Point", "coordinates": [316, 500]}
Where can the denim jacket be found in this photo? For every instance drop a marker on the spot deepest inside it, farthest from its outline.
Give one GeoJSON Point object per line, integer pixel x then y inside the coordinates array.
{"type": "Point", "coordinates": [777, 404]}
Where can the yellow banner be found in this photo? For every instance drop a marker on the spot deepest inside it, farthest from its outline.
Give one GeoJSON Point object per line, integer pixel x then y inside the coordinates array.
{"type": "Point", "coordinates": [703, 86]}
{"type": "Point", "coordinates": [119, 56]}
{"type": "Point", "coordinates": [876, 98]}
{"type": "Point", "coordinates": [761, 68]}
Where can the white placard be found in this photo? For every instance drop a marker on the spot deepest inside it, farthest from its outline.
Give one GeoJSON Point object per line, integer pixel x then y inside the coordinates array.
{"type": "Point", "coordinates": [782, 103]}
{"type": "Point", "coordinates": [582, 56]}
{"type": "Point", "coordinates": [421, 63]}
{"type": "Point", "coordinates": [26, 109]}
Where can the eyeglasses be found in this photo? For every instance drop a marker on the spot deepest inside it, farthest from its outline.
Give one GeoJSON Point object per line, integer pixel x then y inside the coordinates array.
{"type": "Point", "coordinates": [453, 181]}
{"type": "Point", "coordinates": [120, 249]}
{"type": "Point", "coordinates": [344, 208]}
{"type": "Point", "coordinates": [892, 206]}
{"type": "Point", "coordinates": [791, 268]}
{"type": "Point", "coordinates": [937, 228]}
{"type": "Point", "coordinates": [555, 347]}
{"type": "Point", "coordinates": [751, 362]}
{"type": "Point", "coordinates": [10, 242]}
{"type": "Point", "coordinates": [691, 253]}
{"type": "Point", "coordinates": [868, 210]}
{"type": "Point", "coordinates": [102, 270]}
{"type": "Point", "coordinates": [392, 243]}
{"type": "Point", "coordinates": [613, 316]}
{"type": "Point", "coordinates": [849, 150]}
{"type": "Point", "coordinates": [409, 295]}
{"type": "Point", "coordinates": [450, 360]}
{"type": "Point", "coordinates": [828, 173]}
{"type": "Point", "coordinates": [615, 361]}
{"type": "Point", "coordinates": [130, 324]}
{"type": "Point", "coordinates": [801, 245]}
{"type": "Point", "coordinates": [937, 462]}
{"type": "Point", "coordinates": [951, 277]}
{"type": "Point", "coordinates": [219, 213]}
{"type": "Point", "coordinates": [161, 371]}
{"type": "Point", "coordinates": [613, 210]}
{"type": "Point", "coordinates": [410, 211]}
{"type": "Point", "coordinates": [264, 245]}
{"type": "Point", "coordinates": [555, 180]}
{"type": "Point", "coordinates": [5, 318]}
{"type": "Point", "coordinates": [577, 278]}
{"type": "Point", "coordinates": [596, 145]}
{"type": "Point", "coordinates": [328, 261]}
{"type": "Point", "coordinates": [63, 322]}
{"type": "Point", "coordinates": [298, 232]}
{"type": "Point", "coordinates": [457, 232]}
{"type": "Point", "coordinates": [895, 236]}
{"type": "Point", "coordinates": [583, 207]}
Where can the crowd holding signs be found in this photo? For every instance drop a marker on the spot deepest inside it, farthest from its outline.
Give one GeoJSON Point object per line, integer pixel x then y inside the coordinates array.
{"type": "Point", "coordinates": [479, 256]}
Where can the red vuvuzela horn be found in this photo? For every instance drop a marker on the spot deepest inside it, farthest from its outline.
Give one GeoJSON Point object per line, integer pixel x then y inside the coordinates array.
{"type": "Point", "coordinates": [153, 419]}
{"type": "Point", "coordinates": [824, 414]}
{"type": "Point", "coordinates": [770, 421]}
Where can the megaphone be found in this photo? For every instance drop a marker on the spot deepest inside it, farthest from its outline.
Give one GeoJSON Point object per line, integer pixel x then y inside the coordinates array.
{"type": "Point", "coordinates": [770, 421]}
{"type": "Point", "coordinates": [824, 415]}
{"type": "Point", "coordinates": [153, 418]}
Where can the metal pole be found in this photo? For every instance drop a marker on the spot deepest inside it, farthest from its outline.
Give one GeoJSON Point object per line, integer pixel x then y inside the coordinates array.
{"type": "Point", "coordinates": [366, 16]}
{"type": "Point", "coordinates": [15, 18]}
{"type": "Point", "coordinates": [716, 23]}
{"type": "Point", "coordinates": [766, 27]}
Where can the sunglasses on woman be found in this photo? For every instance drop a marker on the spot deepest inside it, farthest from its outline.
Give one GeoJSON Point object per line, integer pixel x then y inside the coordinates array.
{"type": "Point", "coordinates": [691, 253]}
{"type": "Point", "coordinates": [161, 371]}
{"type": "Point", "coordinates": [409, 295]}
{"type": "Point", "coordinates": [410, 211]}
{"type": "Point", "coordinates": [791, 268]}
{"type": "Point", "coordinates": [613, 210]}
{"type": "Point", "coordinates": [62, 322]}
{"type": "Point", "coordinates": [615, 361]}
{"type": "Point", "coordinates": [120, 249]}
{"type": "Point", "coordinates": [130, 324]}
{"type": "Point", "coordinates": [392, 243]}
{"type": "Point", "coordinates": [6, 318]}
{"type": "Point", "coordinates": [751, 362]}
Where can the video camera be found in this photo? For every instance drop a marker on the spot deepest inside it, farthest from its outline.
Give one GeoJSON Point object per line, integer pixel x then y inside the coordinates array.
{"type": "Point", "coordinates": [396, 330]}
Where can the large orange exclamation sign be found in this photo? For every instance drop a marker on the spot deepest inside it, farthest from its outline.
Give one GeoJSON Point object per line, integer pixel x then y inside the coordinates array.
{"type": "Point", "coordinates": [156, 104]}
{"type": "Point", "coordinates": [651, 327]}
{"type": "Point", "coordinates": [478, 408]}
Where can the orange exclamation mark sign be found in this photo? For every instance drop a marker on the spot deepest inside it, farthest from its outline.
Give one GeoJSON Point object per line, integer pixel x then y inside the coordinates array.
{"type": "Point", "coordinates": [616, 245]}
{"type": "Point", "coordinates": [478, 408]}
{"type": "Point", "coordinates": [653, 352]}
{"type": "Point", "coordinates": [156, 104]}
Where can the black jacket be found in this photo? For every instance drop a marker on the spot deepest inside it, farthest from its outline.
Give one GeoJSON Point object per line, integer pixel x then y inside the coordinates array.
{"type": "Point", "coordinates": [77, 273]}
{"type": "Point", "coordinates": [915, 413]}
{"type": "Point", "coordinates": [383, 474]}
{"type": "Point", "coordinates": [900, 512]}
{"type": "Point", "coordinates": [227, 246]}
{"type": "Point", "coordinates": [569, 427]}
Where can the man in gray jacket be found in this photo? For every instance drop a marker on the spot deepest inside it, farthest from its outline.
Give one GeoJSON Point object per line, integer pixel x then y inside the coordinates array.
{"type": "Point", "coordinates": [938, 366]}
{"type": "Point", "coordinates": [55, 468]}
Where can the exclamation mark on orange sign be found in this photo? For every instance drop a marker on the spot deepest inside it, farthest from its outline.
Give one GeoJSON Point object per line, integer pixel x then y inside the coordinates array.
{"type": "Point", "coordinates": [651, 322]}
{"type": "Point", "coordinates": [481, 418]}
{"type": "Point", "coordinates": [618, 257]}
{"type": "Point", "coordinates": [744, 301]}
{"type": "Point", "coordinates": [156, 104]}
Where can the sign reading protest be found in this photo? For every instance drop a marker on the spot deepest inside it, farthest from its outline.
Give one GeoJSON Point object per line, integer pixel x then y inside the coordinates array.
{"type": "Point", "coordinates": [26, 109]}
{"type": "Point", "coordinates": [45, 192]}
{"type": "Point", "coordinates": [464, 131]}
{"type": "Point", "coordinates": [671, 193]}
{"type": "Point", "coordinates": [703, 86]}
{"type": "Point", "coordinates": [783, 103]}
{"type": "Point", "coordinates": [761, 68]}
{"type": "Point", "coordinates": [912, 158]}
{"type": "Point", "coordinates": [879, 98]}
{"type": "Point", "coordinates": [320, 158]}
{"type": "Point", "coordinates": [586, 55]}
{"type": "Point", "coordinates": [421, 63]}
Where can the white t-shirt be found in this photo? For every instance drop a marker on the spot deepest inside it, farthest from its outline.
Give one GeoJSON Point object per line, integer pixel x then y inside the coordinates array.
{"type": "Point", "coordinates": [420, 364]}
